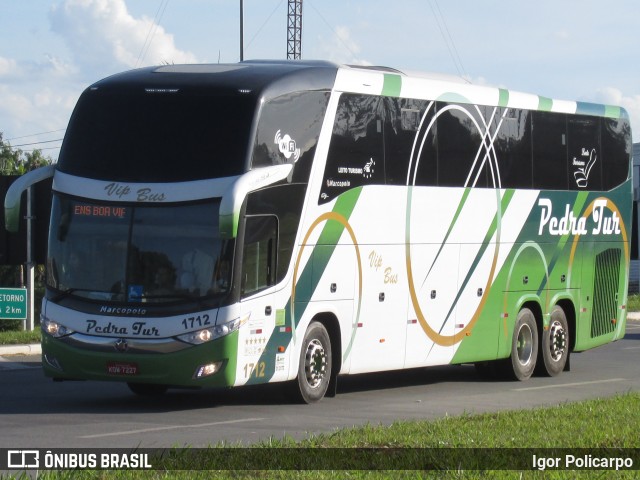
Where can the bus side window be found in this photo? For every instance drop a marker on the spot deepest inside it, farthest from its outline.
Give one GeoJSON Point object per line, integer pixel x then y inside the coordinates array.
{"type": "Point", "coordinates": [585, 154]}
{"type": "Point", "coordinates": [616, 149]}
{"type": "Point", "coordinates": [356, 153]}
{"type": "Point", "coordinates": [512, 147]}
{"type": "Point", "coordinates": [550, 162]}
{"type": "Point", "coordinates": [410, 142]}
{"type": "Point", "coordinates": [259, 258]}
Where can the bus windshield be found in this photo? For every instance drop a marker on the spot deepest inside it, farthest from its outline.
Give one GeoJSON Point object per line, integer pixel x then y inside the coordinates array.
{"type": "Point", "coordinates": [137, 253]}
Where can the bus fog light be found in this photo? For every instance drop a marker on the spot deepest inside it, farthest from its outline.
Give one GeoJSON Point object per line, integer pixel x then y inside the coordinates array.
{"type": "Point", "coordinates": [52, 361]}
{"type": "Point", "coordinates": [208, 369]}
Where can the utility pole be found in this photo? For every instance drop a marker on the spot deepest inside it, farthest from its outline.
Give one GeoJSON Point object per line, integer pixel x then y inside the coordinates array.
{"type": "Point", "coordinates": [241, 30]}
{"type": "Point", "coordinates": [294, 30]}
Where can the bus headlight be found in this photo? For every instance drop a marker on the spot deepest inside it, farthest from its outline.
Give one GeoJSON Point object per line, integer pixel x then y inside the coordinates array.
{"type": "Point", "coordinates": [54, 328]}
{"type": "Point", "coordinates": [208, 334]}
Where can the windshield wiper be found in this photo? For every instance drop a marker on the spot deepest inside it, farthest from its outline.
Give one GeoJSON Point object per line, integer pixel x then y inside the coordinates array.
{"type": "Point", "coordinates": [69, 291]}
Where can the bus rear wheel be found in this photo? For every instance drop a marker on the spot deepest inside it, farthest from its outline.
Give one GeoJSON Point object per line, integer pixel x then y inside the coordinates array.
{"type": "Point", "coordinates": [554, 350]}
{"type": "Point", "coordinates": [314, 367]}
{"type": "Point", "coordinates": [524, 346]}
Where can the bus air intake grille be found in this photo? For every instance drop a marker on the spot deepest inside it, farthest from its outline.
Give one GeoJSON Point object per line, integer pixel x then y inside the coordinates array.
{"type": "Point", "coordinates": [605, 288]}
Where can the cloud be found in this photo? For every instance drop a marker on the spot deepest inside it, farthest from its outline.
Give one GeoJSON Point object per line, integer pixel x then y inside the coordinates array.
{"type": "Point", "coordinates": [103, 36]}
{"type": "Point", "coordinates": [8, 67]}
{"type": "Point", "coordinates": [631, 103]}
{"type": "Point", "coordinates": [342, 48]}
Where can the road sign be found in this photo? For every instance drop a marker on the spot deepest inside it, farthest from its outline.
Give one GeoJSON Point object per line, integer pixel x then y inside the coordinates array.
{"type": "Point", "coordinates": [13, 303]}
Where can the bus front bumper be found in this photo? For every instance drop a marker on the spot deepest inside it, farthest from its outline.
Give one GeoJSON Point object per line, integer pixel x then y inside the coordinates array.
{"type": "Point", "coordinates": [211, 364]}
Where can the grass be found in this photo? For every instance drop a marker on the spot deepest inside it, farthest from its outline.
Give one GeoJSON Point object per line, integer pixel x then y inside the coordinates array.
{"type": "Point", "coordinates": [633, 303]}
{"type": "Point", "coordinates": [610, 423]}
{"type": "Point", "coordinates": [18, 337]}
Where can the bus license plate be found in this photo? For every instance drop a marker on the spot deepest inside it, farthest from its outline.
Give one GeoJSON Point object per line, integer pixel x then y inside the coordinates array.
{"type": "Point", "coordinates": [121, 368]}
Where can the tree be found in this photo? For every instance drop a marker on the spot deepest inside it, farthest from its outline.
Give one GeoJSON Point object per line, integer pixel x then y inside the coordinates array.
{"type": "Point", "coordinates": [14, 161]}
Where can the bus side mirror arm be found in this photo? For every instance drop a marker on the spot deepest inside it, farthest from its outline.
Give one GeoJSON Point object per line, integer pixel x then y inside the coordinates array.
{"type": "Point", "coordinates": [13, 197]}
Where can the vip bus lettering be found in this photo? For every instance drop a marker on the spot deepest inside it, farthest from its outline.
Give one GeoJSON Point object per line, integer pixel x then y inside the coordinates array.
{"type": "Point", "coordinates": [569, 224]}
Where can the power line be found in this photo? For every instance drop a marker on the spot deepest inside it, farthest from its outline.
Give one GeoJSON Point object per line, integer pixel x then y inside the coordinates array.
{"type": "Point", "coordinates": [265, 22]}
{"type": "Point", "coordinates": [36, 143]}
{"type": "Point", "coordinates": [35, 134]}
{"type": "Point", "coordinates": [455, 50]}
{"type": "Point", "coordinates": [332, 29]}
{"type": "Point", "coordinates": [448, 40]}
{"type": "Point", "coordinates": [152, 31]}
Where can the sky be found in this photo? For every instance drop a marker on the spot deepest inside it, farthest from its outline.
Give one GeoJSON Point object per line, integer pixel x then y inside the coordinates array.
{"type": "Point", "coordinates": [50, 51]}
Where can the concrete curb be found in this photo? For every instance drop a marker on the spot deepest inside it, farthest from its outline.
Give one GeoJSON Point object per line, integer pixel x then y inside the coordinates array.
{"type": "Point", "coordinates": [33, 349]}
{"type": "Point", "coordinates": [633, 316]}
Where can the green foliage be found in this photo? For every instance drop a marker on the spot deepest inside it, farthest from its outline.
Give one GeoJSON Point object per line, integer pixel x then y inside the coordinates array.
{"type": "Point", "coordinates": [633, 303]}
{"type": "Point", "coordinates": [14, 161]}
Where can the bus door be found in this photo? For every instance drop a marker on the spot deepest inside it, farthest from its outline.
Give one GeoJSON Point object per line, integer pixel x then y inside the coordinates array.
{"type": "Point", "coordinates": [380, 339]}
{"type": "Point", "coordinates": [258, 274]}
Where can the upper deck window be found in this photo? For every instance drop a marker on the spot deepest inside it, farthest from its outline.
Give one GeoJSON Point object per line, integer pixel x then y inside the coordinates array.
{"type": "Point", "coordinates": [158, 135]}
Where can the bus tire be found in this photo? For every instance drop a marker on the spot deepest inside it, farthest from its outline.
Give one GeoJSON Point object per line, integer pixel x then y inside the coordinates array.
{"type": "Point", "coordinates": [524, 346]}
{"type": "Point", "coordinates": [147, 389]}
{"type": "Point", "coordinates": [314, 367]}
{"type": "Point", "coordinates": [554, 347]}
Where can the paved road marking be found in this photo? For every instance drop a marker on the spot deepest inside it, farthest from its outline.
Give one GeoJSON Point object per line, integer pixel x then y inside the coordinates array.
{"type": "Point", "coordinates": [171, 427]}
{"type": "Point", "coordinates": [577, 384]}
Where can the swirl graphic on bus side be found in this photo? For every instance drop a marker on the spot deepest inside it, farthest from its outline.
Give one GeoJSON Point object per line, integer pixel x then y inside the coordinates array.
{"type": "Point", "coordinates": [326, 217]}
{"type": "Point", "coordinates": [485, 158]}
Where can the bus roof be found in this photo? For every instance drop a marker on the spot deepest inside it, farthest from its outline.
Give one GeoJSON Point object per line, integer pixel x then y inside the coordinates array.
{"type": "Point", "coordinates": [271, 78]}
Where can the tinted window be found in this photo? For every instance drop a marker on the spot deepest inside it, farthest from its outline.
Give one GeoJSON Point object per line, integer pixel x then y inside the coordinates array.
{"type": "Point", "coordinates": [585, 154]}
{"type": "Point", "coordinates": [259, 253]}
{"type": "Point", "coordinates": [550, 165]}
{"type": "Point", "coordinates": [157, 137]}
{"type": "Point", "coordinates": [288, 132]}
{"type": "Point", "coordinates": [616, 151]}
{"type": "Point", "coordinates": [410, 142]}
{"type": "Point", "coordinates": [356, 155]}
{"type": "Point", "coordinates": [285, 202]}
{"type": "Point", "coordinates": [512, 146]}
{"type": "Point", "coordinates": [459, 140]}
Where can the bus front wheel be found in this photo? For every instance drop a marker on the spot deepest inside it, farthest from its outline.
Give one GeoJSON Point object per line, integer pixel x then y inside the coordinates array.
{"type": "Point", "coordinates": [314, 367]}
{"type": "Point", "coordinates": [554, 348]}
{"type": "Point", "coordinates": [524, 346]}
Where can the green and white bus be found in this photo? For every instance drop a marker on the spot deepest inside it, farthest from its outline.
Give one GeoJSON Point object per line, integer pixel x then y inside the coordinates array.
{"type": "Point", "coordinates": [226, 225]}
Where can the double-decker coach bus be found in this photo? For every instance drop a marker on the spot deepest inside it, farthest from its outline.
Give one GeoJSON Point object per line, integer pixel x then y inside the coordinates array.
{"type": "Point", "coordinates": [225, 225]}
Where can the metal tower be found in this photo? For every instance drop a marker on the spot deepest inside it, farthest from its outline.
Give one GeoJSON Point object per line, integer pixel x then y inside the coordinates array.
{"type": "Point", "coordinates": [294, 30]}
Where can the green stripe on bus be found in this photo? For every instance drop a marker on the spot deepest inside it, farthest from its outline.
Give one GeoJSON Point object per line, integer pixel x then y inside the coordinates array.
{"type": "Point", "coordinates": [545, 104]}
{"type": "Point", "coordinates": [392, 85]}
{"type": "Point", "coordinates": [503, 99]}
